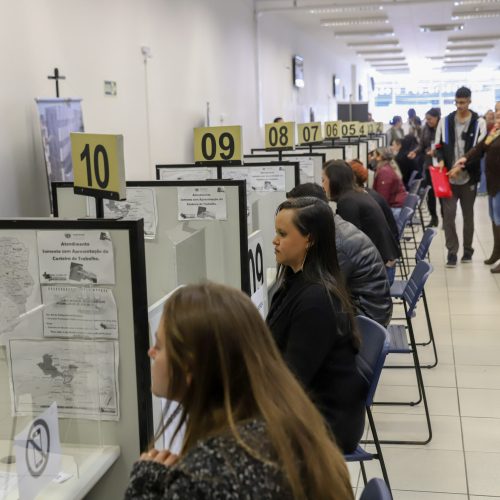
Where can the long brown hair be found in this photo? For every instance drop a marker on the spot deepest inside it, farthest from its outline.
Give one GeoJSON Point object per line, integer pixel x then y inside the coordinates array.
{"type": "Point", "coordinates": [224, 369]}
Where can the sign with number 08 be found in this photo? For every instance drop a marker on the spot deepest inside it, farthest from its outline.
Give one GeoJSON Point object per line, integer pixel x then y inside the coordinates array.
{"type": "Point", "coordinates": [218, 144]}
{"type": "Point", "coordinates": [280, 135]}
{"type": "Point", "coordinates": [98, 165]}
{"type": "Point", "coordinates": [332, 130]}
{"type": "Point", "coordinates": [310, 133]}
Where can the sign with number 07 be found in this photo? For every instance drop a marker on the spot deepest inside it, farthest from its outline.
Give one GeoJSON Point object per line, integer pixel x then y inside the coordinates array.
{"type": "Point", "coordinates": [98, 165]}
{"type": "Point", "coordinates": [310, 133]}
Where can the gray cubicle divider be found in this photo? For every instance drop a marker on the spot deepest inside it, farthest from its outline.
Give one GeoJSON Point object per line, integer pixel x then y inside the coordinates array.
{"type": "Point", "coordinates": [310, 164]}
{"type": "Point", "coordinates": [331, 152]}
{"type": "Point", "coordinates": [363, 152]}
{"type": "Point", "coordinates": [89, 443]}
{"type": "Point", "coordinates": [185, 172]}
{"type": "Point", "coordinates": [184, 251]}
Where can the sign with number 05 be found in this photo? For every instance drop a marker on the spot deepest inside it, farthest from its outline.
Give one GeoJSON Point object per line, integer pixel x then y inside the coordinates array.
{"type": "Point", "coordinates": [98, 165]}
{"type": "Point", "coordinates": [310, 132]}
{"type": "Point", "coordinates": [349, 129]}
{"type": "Point", "coordinates": [280, 135]}
{"type": "Point", "coordinates": [217, 144]}
{"type": "Point", "coordinates": [332, 130]}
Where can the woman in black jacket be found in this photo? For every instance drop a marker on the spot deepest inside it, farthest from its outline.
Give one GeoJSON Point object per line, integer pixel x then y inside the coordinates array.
{"type": "Point", "coordinates": [311, 316]}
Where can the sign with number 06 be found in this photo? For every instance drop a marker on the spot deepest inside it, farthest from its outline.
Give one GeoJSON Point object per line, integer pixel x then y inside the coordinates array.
{"type": "Point", "coordinates": [280, 135]}
{"type": "Point", "coordinates": [332, 130]}
{"type": "Point", "coordinates": [218, 144]}
{"type": "Point", "coordinates": [98, 165]}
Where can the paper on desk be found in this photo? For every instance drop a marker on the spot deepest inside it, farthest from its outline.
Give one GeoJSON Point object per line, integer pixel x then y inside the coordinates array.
{"type": "Point", "coordinates": [80, 375]}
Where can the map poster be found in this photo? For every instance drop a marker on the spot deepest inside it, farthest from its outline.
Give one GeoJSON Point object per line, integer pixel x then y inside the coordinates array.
{"type": "Point", "coordinates": [19, 281]}
{"type": "Point", "coordinates": [201, 203]}
{"type": "Point", "coordinates": [72, 312]}
{"type": "Point", "coordinates": [267, 179]}
{"type": "Point", "coordinates": [81, 376]}
{"type": "Point", "coordinates": [188, 173]}
{"type": "Point", "coordinates": [140, 204]}
{"type": "Point", "coordinates": [76, 257]}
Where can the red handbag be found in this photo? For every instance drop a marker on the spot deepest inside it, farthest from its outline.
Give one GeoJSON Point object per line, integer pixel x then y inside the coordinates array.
{"type": "Point", "coordinates": [440, 182]}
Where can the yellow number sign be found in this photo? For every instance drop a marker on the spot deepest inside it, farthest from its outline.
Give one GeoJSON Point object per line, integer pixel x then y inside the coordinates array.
{"type": "Point", "coordinates": [310, 133]}
{"type": "Point", "coordinates": [217, 144]}
{"type": "Point", "coordinates": [380, 127]}
{"type": "Point", "coordinates": [98, 165]}
{"type": "Point", "coordinates": [280, 135]}
{"type": "Point", "coordinates": [349, 129]}
{"type": "Point", "coordinates": [332, 130]}
{"type": "Point", "coordinates": [363, 128]}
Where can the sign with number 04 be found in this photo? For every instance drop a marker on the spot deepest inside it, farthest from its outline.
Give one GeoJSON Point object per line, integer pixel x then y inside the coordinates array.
{"type": "Point", "coordinates": [98, 165]}
{"type": "Point", "coordinates": [217, 144]}
{"type": "Point", "coordinates": [310, 133]}
{"type": "Point", "coordinates": [280, 135]}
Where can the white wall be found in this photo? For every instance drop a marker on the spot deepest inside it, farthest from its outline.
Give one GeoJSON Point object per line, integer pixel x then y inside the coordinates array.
{"type": "Point", "coordinates": [203, 50]}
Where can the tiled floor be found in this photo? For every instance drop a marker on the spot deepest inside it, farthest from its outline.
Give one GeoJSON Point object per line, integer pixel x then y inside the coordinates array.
{"type": "Point", "coordinates": [463, 459]}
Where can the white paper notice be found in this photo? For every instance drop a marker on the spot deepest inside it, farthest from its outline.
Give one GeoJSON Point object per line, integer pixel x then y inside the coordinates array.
{"type": "Point", "coordinates": [81, 376]}
{"type": "Point", "coordinates": [201, 203]}
{"type": "Point", "coordinates": [76, 257]}
{"type": "Point", "coordinates": [19, 282]}
{"type": "Point", "coordinates": [187, 174]}
{"type": "Point", "coordinates": [79, 312]}
{"type": "Point", "coordinates": [38, 453]}
{"type": "Point", "coordinates": [8, 483]}
{"type": "Point", "coordinates": [140, 204]}
{"type": "Point", "coordinates": [306, 170]}
{"type": "Point", "coordinates": [267, 179]}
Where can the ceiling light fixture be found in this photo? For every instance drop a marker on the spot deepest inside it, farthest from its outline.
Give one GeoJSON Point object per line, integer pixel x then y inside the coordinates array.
{"type": "Point", "coordinates": [472, 38]}
{"type": "Point", "coordinates": [469, 15]}
{"type": "Point", "coordinates": [459, 3]}
{"type": "Point", "coordinates": [380, 51]}
{"type": "Point", "coordinates": [347, 8]}
{"type": "Point", "coordinates": [378, 32]}
{"type": "Point", "coordinates": [432, 28]}
{"type": "Point", "coordinates": [382, 59]}
{"type": "Point", "coordinates": [470, 54]}
{"type": "Point", "coordinates": [371, 43]}
{"type": "Point", "coordinates": [333, 23]}
{"type": "Point", "coordinates": [470, 47]}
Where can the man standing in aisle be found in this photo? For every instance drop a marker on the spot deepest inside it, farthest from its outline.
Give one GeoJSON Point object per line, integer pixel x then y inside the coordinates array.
{"type": "Point", "coordinates": [455, 135]}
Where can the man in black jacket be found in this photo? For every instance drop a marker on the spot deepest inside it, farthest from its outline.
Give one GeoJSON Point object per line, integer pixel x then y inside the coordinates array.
{"type": "Point", "coordinates": [360, 264]}
{"type": "Point", "coordinates": [455, 135]}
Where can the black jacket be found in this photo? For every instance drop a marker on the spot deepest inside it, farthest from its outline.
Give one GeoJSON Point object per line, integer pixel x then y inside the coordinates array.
{"type": "Point", "coordinates": [317, 344]}
{"type": "Point", "coordinates": [445, 149]}
{"type": "Point", "coordinates": [364, 272]}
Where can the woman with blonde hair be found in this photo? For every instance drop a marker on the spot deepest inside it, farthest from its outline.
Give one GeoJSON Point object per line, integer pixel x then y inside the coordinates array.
{"type": "Point", "coordinates": [388, 180]}
{"type": "Point", "coordinates": [250, 429]}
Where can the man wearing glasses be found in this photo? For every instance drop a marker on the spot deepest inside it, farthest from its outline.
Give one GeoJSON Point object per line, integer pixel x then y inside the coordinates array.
{"type": "Point", "coordinates": [455, 135]}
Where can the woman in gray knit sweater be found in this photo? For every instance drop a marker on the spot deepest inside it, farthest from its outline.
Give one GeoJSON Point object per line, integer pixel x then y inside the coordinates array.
{"type": "Point", "coordinates": [249, 430]}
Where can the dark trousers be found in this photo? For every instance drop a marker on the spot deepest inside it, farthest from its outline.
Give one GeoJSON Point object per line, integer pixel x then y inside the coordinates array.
{"type": "Point", "coordinates": [466, 194]}
{"type": "Point", "coordinates": [431, 198]}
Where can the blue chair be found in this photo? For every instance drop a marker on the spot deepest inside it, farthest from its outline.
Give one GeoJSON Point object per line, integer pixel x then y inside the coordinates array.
{"type": "Point", "coordinates": [402, 340]}
{"type": "Point", "coordinates": [398, 286]}
{"type": "Point", "coordinates": [402, 222]}
{"type": "Point", "coordinates": [411, 201]}
{"type": "Point", "coordinates": [376, 489]}
{"type": "Point", "coordinates": [370, 361]}
{"type": "Point", "coordinates": [414, 186]}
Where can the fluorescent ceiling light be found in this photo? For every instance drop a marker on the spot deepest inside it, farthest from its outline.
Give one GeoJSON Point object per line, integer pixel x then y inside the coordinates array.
{"type": "Point", "coordinates": [431, 28]}
{"type": "Point", "coordinates": [470, 47]}
{"type": "Point", "coordinates": [477, 14]}
{"type": "Point", "coordinates": [381, 59]}
{"type": "Point", "coordinates": [378, 32]}
{"type": "Point", "coordinates": [435, 58]}
{"type": "Point", "coordinates": [462, 61]}
{"type": "Point", "coordinates": [472, 38]}
{"type": "Point", "coordinates": [470, 54]}
{"type": "Point", "coordinates": [347, 8]}
{"type": "Point", "coordinates": [353, 21]}
{"type": "Point", "coordinates": [458, 3]}
{"type": "Point", "coordinates": [396, 71]}
{"type": "Point", "coordinates": [381, 51]}
{"type": "Point", "coordinates": [371, 43]}
{"type": "Point", "coordinates": [457, 69]}
{"type": "Point", "coordinates": [395, 65]}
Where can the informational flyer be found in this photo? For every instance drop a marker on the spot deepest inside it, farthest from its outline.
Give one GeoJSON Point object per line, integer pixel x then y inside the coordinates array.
{"type": "Point", "coordinates": [306, 166]}
{"type": "Point", "coordinates": [19, 279]}
{"type": "Point", "coordinates": [268, 179]}
{"type": "Point", "coordinates": [72, 312]}
{"type": "Point", "coordinates": [140, 204]}
{"type": "Point", "coordinates": [187, 173]}
{"type": "Point", "coordinates": [81, 376]}
{"type": "Point", "coordinates": [76, 257]}
{"type": "Point", "coordinates": [201, 203]}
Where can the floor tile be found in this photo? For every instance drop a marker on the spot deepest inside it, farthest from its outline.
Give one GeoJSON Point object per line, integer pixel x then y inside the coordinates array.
{"type": "Point", "coordinates": [483, 377]}
{"type": "Point", "coordinates": [476, 322]}
{"type": "Point", "coordinates": [443, 375]}
{"type": "Point", "coordinates": [425, 495]}
{"type": "Point", "coordinates": [482, 473]}
{"type": "Point", "coordinates": [480, 403]}
{"type": "Point", "coordinates": [481, 434]}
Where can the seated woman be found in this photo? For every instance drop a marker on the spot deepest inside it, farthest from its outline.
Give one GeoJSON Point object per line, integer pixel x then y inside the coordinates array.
{"type": "Point", "coordinates": [311, 316]}
{"type": "Point", "coordinates": [359, 208]}
{"type": "Point", "coordinates": [389, 181]}
{"type": "Point", "coordinates": [250, 430]}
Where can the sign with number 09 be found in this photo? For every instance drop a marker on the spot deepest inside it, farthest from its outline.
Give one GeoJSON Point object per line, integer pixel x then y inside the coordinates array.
{"type": "Point", "coordinates": [280, 135]}
{"type": "Point", "coordinates": [310, 133]}
{"type": "Point", "coordinates": [218, 144]}
{"type": "Point", "coordinates": [98, 165]}
{"type": "Point", "coordinates": [332, 130]}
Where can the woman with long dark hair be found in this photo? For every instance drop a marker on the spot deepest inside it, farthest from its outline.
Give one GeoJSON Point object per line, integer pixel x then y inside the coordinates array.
{"type": "Point", "coordinates": [311, 316]}
{"type": "Point", "coordinates": [250, 430]}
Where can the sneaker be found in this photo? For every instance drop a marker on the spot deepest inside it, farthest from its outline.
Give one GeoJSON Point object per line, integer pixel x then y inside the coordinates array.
{"type": "Point", "coordinates": [452, 260]}
{"type": "Point", "coordinates": [467, 257]}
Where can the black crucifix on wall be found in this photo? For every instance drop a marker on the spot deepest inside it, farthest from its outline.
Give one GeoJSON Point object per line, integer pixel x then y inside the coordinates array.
{"type": "Point", "coordinates": [56, 76]}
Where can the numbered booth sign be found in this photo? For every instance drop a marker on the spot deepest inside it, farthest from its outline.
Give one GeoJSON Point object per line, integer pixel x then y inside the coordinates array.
{"type": "Point", "coordinates": [380, 127]}
{"type": "Point", "coordinates": [363, 128]}
{"type": "Point", "coordinates": [280, 135]}
{"type": "Point", "coordinates": [217, 145]}
{"type": "Point", "coordinates": [98, 165]}
{"type": "Point", "coordinates": [333, 130]}
{"type": "Point", "coordinates": [257, 272]}
{"type": "Point", "coordinates": [310, 133]}
{"type": "Point", "coordinates": [349, 129]}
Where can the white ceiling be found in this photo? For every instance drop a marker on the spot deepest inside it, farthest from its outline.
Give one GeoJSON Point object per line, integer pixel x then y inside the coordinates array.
{"type": "Point", "coordinates": [404, 18]}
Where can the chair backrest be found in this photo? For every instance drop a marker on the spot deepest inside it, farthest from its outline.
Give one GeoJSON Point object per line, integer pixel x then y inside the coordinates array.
{"type": "Point", "coordinates": [413, 176]}
{"type": "Point", "coordinates": [423, 194]}
{"type": "Point", "coordinates": [415, 285]}
{"type": "Point", "coordinates": [372, 353]}
{"type": "Point", "coordinates": [425, 243]}
{"type": "Point", "coordinates": [414, 186]}
{"type": "Point", "coordinates": [411, 201]}
{"type": "Point", "coordinates": [405, 216]}
{"type": "Point", "coordinates": [376, 489]}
